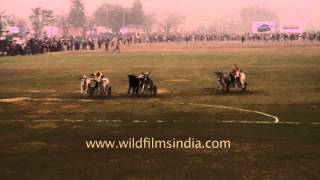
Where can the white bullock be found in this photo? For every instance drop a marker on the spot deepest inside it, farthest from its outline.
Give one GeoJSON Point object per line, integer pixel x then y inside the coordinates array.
{"type": "Point", "coordinates": [243, 80]}
{"type": "Point", "coordinates": [90, 86]}
{"type": "Point", "coordinates": [106, 86]}
{"type": "Point", "coordinates": [85, 85]}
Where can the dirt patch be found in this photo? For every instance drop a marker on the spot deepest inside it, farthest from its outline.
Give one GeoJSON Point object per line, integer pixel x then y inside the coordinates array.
{"type": "Point", "coordinates": [41, 111]}
{"type": "Point", "coordinates": [35, 146]}
{"type": "Point", "coordinates": [86, 110]}
{"type": "Point", "coordinates": [22, 103]}
{"type": "Point", "coordinates": [178, 80]}
{"type": "Point", "coordinates": [29, 146]}
{"type": "Point", "coordinates": [42, 126]}
{"type": "Point", "coordinates": [17, 99]}
{"type": "Point", "coordinates": [154, 99]}
{"type": "Point", "coordinates": [48, 103]}
{"type": "Point", "coordinates": [163, 91]}
{"type": "Point", "coordinates": [86, 100]}
{"type": "Point", "coordinates": [50, 99]}
{"type": "Point", "coordinates": [34, 91]}
{"type": "Point", "coordinates": [71, 106]}
{"type": "Point", "coordinates": [39, 91]}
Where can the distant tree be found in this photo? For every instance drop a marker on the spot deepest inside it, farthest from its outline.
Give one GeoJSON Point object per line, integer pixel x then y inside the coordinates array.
{"type": "Point", "coordinates": [11, 20]}
{"type": "Point", "coordinates": [212, 28]}
{"type": "Point", "coordinates": [40, 18]}
{"type": "Point", "coordinates": [22, 24]}
{"type": "Point", "coordinates": [2, 23]}
{"type": "Point", "coordinates": [6, 20]}
{"type": "Point", "coordinates": [137, 15]}
{"type": "Point", "coordinates": [148, 22]}
{"type": "Point", "coordinates": [62, 22]}
{"type": "Point", "coordinates": [77, 17]}
{"type": "Point", "coordinates": [115, 16]}
{"type": "Point", "coordinates": [172, 22]}
{"type": "Point", "coordinates": [90, 22]}
{"type": "Point", "coordinates": [149, 19]}
{"type": "Point", "coordinates": [110, 16]}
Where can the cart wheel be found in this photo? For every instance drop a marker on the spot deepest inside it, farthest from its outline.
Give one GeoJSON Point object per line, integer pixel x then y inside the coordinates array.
{"type": "Point", "coordinates": [155, 89]}
{"type": "Point", "coordinates": [244, 88]}
{"type": "Point", "coordinates": [91, 91]}
{"type": "Point", "coordinates": [109, 91]}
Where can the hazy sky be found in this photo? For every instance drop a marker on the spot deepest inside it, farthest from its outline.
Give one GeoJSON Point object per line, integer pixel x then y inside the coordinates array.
{"type": "Point", "coordinates": [196, 11]}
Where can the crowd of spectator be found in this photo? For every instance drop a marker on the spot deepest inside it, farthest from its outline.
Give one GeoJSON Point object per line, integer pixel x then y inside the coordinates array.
{"type": "Point", "coordinates": [151, 38]}
{"type": "Point", "coordinates": [39, 46]}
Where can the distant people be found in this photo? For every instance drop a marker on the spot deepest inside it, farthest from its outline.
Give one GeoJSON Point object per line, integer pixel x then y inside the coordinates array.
{"type": "Point", "coordinates": [99, 43]}
{"type": "Point", "coordinates": [68, 45]}
{"type": "Point", "coordinates": [98, 75]}
{"type": "Point", "coordinates": [77, 44]}
{"type": "Point", "coordinates": [84, 44]}
{"type": "Point", "coordinates": [91, 44]}
{"type": "Point", "coordinates": [234, 74]}
{"type": "Point", "coordinates": [112, 44]}
{"type": "Point", "coordinates": [117, 47]}
{"type": "Point", "coordinates": [106, 44]}
{"type": "Point", "coordinates": [243, 39]}
{"type": "Point", "coordinates": [42, 45]}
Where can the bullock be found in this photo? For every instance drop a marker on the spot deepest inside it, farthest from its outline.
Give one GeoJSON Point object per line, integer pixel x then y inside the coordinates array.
{"type": "Point", "coordinates": [91, 86]}
{"type": "Point", "coordinates": [85, 85]}
{"type": "Point", "coordinates": [224, 81]}
{"type": "Point", "coordinates": [147, 85]}
{"type": "Point", "coordinates": [106, 86]}
{"type": "Point", "coordinates": [141, 84]}
{"type": "Point", "coordinates": [134, 84]}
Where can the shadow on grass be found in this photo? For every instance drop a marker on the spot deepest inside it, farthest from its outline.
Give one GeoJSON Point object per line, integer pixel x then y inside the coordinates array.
{"type": "Point", "coordinates": [120, 96]}
{"type": "Point", "coordinates": [232, 91]}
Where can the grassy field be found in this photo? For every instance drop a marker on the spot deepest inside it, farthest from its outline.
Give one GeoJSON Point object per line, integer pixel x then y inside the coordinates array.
{"type": "Point", "coordinates": [38, 92]}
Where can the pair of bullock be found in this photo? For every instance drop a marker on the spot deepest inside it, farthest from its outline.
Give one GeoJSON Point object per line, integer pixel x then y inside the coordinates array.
{"type": "Point", "coordinates": [98, 85]}
{"type": "Point", "coordinates": [236, 80]}
{"type": "Point", "coordinates": [141, 85]}
{"type": "Point", "coordinates": [95, 85]}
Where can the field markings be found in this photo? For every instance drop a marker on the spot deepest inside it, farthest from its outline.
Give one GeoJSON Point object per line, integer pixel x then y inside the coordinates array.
{"type": "Point", "coordinates": [17, 99]}
{"type": "Point", "coordinates": [275, 118]}
{"type": "Point", "coordinates": [115, 121]}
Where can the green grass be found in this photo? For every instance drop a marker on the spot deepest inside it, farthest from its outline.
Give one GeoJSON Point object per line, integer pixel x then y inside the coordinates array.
{"type": "Point", "coordinates": [283, 81]}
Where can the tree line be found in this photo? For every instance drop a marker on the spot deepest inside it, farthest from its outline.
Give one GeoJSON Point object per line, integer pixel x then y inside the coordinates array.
{"type": "Point", "coordinates": [116, 16]}
{"type": "Point", "coordinates": [108, 15]}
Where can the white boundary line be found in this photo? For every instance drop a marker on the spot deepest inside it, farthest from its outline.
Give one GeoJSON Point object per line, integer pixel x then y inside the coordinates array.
{"type": "Point", "coordinates": [156, 121]}
{"type": "Point", "coordinates": [275, 118]}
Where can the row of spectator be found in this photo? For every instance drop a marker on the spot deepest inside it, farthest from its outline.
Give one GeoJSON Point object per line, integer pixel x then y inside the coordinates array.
{"type": "Point", "coordinates": [38, 46]}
